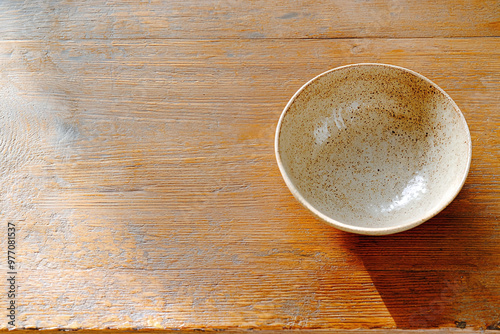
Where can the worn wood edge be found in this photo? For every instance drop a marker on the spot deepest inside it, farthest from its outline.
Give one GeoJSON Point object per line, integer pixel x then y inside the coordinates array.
{"type": "Point", "coordinates": [253, 19]}
{"type": "Point", "coordinates": [236, 331]}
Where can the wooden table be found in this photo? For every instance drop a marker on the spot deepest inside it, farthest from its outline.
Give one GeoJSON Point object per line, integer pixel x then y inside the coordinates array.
{"type": "Point", "coordinates": [138, 169]}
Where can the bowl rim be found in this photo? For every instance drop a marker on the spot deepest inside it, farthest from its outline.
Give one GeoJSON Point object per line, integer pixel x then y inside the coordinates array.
{"type": "Point", "coordinates": [369, 230]}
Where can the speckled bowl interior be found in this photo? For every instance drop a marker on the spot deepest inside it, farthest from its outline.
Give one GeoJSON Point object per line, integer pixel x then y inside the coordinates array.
{"type": "Point", "coordinates": [373, 149]}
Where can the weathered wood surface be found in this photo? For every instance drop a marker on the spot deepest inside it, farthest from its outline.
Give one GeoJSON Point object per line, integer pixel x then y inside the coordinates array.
{"type": "Point", "coordinates": [136, 159]}
{"type": "Point", "coordinates": [65, 19]}
{"type": "Point", "coordinates": [277, 331]}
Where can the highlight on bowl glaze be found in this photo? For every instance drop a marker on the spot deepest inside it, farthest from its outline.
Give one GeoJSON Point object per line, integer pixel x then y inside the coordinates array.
{"type": "Point", "coordinates": [373, 148]}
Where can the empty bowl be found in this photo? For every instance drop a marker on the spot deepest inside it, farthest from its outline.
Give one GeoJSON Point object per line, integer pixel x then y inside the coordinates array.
{"type": "Point", "coordinates": [373, 149]}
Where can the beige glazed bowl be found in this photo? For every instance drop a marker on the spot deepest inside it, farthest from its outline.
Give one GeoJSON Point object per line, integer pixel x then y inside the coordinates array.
{"type": "Point", "coordinates": [373, 149]}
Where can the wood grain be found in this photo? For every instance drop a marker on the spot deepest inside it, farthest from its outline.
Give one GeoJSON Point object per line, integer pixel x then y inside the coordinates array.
{"type": "Point", "coordinates": [131, 19]}
{"type": "Point", "coordinates": [311, 331]}
{"type": "Point", "coordinates": [138, 165]}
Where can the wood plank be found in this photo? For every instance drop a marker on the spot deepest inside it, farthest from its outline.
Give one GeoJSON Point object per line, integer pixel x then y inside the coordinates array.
{"type": "Point", "coordinates": [291, 331]}
{"type": "Point", "coordinates": [54, 20]}
{"type": "Point", "coordinates": [256, 298]}
{"type": "Point", "coordinates": [142, 180]}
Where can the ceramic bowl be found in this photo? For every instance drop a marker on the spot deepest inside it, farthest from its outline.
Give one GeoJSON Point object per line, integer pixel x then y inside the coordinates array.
{"type": "Point", "coordinates": [373, 149]}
